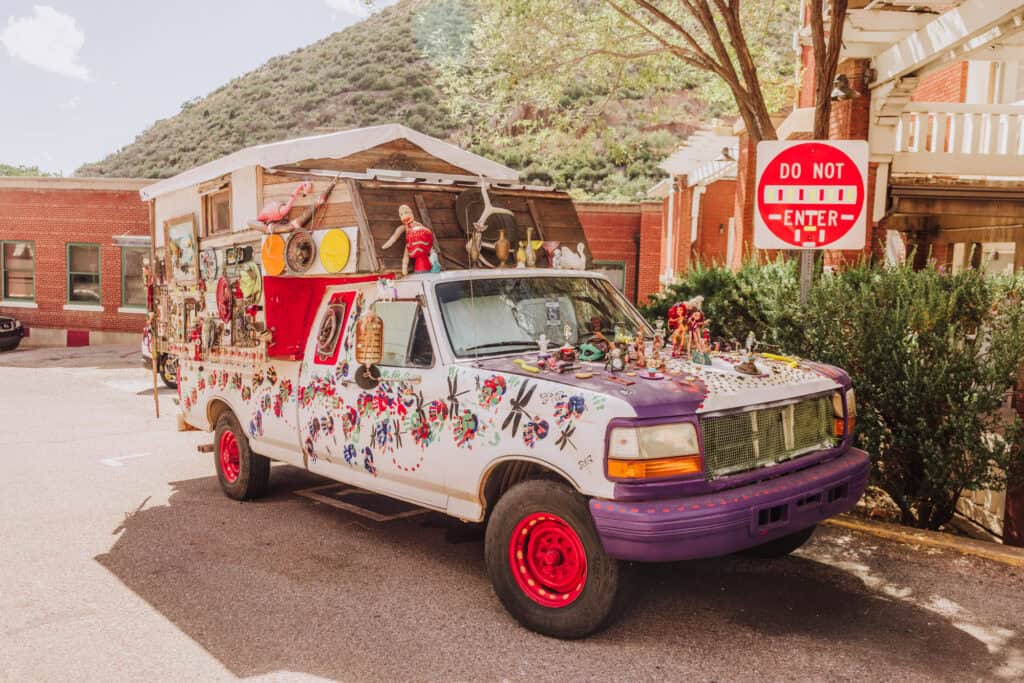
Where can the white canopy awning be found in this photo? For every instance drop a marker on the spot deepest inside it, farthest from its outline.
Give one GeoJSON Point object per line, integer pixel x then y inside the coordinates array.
{"type": "Point", "coordinates": [329, 146]}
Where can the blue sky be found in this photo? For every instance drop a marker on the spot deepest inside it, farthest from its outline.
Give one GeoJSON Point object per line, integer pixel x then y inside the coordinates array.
{"type": "Point", "coordinates": [82, 78]}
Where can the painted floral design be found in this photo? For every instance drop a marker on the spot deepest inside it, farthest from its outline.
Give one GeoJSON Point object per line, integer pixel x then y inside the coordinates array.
{"type": "Point", "coordinates": [465, 427]}
{"type": "Point", "coordinates": [535, 430]}
{"type": "Point", "coordinates": [569, 408]}
{"type": "Point", "coordinates": [492, 391]}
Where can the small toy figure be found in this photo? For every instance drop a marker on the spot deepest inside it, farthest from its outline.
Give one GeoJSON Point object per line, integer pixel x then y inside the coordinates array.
{"type": "Point", "coordinates": [419, 241]}
{"type": "Point", "coordinates": [543, 343]}
{"type": "Point", "coordinates": [641, 348]}
{"type": "Point", "coordinates": [615, 362]}
{"type": "Point", "coordinates": [475, 245]}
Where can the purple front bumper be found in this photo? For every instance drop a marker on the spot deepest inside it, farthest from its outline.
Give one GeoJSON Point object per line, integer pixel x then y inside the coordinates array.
{"type": "Point", "coordinates": [720, 523]}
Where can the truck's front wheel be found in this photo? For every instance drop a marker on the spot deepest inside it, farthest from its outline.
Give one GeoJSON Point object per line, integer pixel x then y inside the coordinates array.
{"type": "Point", "coordinates": [547, 563]}
{"type": "Point", "coordinates": [243, 474]}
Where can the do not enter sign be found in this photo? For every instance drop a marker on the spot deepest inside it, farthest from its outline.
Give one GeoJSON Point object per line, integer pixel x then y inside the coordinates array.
{"type": "Point", "coordinates": [811, 194]}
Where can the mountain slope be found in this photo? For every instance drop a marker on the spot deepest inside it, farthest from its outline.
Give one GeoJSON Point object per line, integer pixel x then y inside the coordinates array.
{"type": "Point", "coordinates": [361, 76]}
{"type": "Point", "coordinates": [377, 72]}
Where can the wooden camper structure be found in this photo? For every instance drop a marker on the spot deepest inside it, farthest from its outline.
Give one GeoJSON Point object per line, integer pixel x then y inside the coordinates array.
{"type": "Point", "coordinates": [372, 172]}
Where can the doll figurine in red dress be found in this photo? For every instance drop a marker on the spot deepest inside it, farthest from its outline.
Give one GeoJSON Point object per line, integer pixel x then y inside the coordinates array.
{"type": "Point", "coordinates": [419, 240]}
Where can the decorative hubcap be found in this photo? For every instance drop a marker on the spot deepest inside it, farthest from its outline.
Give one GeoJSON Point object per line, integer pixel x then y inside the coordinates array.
{"type": "Point", "coordinates": [230, 458]}
{"type": "Point", "coordinates": [548, 560]}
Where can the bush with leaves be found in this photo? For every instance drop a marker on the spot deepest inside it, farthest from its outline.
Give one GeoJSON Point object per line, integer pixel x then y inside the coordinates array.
{"type": "Point", "coordinates": [931, 355]}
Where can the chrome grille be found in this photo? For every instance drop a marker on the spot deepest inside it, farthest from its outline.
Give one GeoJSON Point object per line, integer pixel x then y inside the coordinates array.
{"type": "Point", "coordinates": [743, 441]}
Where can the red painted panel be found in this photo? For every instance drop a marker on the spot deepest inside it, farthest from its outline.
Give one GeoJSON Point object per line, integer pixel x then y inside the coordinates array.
{"type": "Point", "coordinates": [78, 337]}
{"type": "Point", "coordinates": [291, 303]}
{"type": "Point", "coordinates": [340, 297]}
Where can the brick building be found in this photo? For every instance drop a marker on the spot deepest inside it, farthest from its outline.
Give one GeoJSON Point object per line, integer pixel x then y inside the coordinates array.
{"type": "Point", "coordinates": [71, 255]}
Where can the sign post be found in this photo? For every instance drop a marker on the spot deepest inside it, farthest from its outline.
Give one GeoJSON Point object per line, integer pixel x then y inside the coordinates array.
{"type": "Point", "coordinates": [811, 195]}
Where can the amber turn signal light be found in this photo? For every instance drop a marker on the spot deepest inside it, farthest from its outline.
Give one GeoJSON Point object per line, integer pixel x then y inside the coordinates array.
{"type": "Point", "coordinates": [839, 426]}
{"type": "Point", "coordinates": [658, 467]}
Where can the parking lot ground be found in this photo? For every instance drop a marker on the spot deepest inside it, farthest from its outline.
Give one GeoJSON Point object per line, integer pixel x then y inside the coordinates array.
{"type": "Point", "coordinates": [120, 559]}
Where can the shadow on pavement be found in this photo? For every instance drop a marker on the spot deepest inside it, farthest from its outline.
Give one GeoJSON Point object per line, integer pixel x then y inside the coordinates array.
{"type": "Point", "coordinates": [287, 584]}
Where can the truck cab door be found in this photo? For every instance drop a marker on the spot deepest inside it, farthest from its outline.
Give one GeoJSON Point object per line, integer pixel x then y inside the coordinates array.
{"type": "Point", "coordinates": [381, 436]}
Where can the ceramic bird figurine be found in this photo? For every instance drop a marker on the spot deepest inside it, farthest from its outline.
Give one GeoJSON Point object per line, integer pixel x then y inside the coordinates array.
{"type": "Point", "coordinates": [275, 211]}
{"type": "Point", "coordinates": [573, 260]}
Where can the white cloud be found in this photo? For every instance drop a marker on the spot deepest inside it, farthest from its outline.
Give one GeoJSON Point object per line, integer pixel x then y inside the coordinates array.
{"type": "Point", "coordinates": [48, 39]}
{"type": "Point", "coordinates": [355, 8]}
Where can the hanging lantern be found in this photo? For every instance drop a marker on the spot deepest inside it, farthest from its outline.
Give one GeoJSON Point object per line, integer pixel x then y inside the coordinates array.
{"type": "Point", "coordinates": [369, 339]}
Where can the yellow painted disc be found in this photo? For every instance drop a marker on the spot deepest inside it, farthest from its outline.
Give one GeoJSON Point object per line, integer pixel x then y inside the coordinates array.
{"type": "Point", "coordinates": [273, 255]}
{"type": "Point", "coordinates": [335, 250]}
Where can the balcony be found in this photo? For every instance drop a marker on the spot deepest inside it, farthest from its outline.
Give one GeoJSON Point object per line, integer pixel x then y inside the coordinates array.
{"type": "Point", "coordinates": [940, 138]}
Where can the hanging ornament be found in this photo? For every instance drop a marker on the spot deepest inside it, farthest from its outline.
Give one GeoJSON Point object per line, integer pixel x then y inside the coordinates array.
{"type": "Point", "coordinates": [273, 254]}
{"type": "Point", "coordinates": [225, 299]}
{"type": "Point", "coordinates": [335, 250]}
{"type": "Point", "coordinates": [301, 251]}
{"type": "Point", "coordinates": [369, 348]}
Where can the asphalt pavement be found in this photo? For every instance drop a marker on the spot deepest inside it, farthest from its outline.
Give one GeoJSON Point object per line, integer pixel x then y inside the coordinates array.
{"type": "Point", "coordinates": [120, 559]}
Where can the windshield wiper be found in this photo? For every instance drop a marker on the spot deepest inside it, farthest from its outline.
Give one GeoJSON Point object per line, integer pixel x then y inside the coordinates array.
{"type": "Point", "coordinates": [502, 344]}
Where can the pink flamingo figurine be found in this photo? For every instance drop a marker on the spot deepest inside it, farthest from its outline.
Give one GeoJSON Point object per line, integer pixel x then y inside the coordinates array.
{"type": "Point", "coordinates": [275, 211]}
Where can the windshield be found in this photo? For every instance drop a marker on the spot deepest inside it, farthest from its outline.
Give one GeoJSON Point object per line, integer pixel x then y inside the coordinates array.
{"type": "Point", "coordinates": [508, 314]}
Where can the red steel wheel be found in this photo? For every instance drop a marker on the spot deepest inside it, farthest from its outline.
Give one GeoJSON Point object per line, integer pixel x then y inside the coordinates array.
{"type": "Point", "coordinates": [548, 560]}
{"type": "Point", "coordinates": [243, 475]}
{"type": "Point", "coordinates": [230, 459]}
{"type": "Point", "coordinates": [547, 563]}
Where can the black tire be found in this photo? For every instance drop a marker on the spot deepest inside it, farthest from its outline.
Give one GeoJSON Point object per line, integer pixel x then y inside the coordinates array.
{"type": "Point", "coordinates": [253, 473]}
{"type": "Point", "coordinates": [603, 592]}
{"type": "Point", "coordinates": [168, 369]}
{"type": "Point", "coordinates": [781, 547]}
{"type": "Point", "coordinates": [9, 346]}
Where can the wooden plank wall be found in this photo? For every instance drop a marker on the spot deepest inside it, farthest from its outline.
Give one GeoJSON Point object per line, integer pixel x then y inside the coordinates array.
{"type": "Point", "coordinates": [434, 206]}
{"type": "Point", "coordinates": [338, 212]}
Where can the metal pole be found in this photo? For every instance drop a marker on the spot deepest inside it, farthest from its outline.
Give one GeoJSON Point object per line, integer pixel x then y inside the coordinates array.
{"type": "Point", "coordinates": [151, 288]}
{"type": "Point", "coordinates": [806, 274]}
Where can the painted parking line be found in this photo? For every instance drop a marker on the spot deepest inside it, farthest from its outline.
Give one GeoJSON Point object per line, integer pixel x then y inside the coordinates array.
{"type": "Point", "coordinates": [119, 461]}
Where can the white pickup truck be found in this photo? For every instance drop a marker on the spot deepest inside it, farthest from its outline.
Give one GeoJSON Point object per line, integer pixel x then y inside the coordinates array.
{"type": "Point", "coordinates": [573, 472]}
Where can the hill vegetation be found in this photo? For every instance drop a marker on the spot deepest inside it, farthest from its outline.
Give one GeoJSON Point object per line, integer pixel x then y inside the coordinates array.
{"type": "Point", "coordinates": [391, 68]}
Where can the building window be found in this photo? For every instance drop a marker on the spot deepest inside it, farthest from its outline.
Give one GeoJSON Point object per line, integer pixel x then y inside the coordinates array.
{"type": "Point", "coordinates": [217, 212]}
{"type": "Point", "coordinates": [84, 274]}
{"type": "Point", "coordinates": [18, 263]}
{"type": "Point", "coordinates": [614, 271]}
{"type": "Point", "coordinates": [133, 284]}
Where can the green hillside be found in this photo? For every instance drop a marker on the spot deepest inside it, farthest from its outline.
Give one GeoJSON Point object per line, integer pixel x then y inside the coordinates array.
{"type": "Point", "coordinates": [380, 71]}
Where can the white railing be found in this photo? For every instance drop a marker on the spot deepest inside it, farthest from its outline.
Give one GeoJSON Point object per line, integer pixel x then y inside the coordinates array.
{"type": "Point", "coordinates": [941, 138]}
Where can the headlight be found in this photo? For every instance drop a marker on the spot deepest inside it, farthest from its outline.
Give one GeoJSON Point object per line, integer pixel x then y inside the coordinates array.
{"type": "Point", "coordinates": [651, 452]}
{"type": "Point", "coordinates": [844, 422]}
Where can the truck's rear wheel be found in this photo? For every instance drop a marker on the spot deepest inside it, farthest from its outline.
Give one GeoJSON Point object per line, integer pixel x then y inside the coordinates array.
{"type": "Point", "coordinates": [547, 563]}
{"type": "Point", "coordinates": [243, 474]}
{"type": "Point", "coordinates": [781, 547]}
{"type": "Point", "coordinates": [168, 368]}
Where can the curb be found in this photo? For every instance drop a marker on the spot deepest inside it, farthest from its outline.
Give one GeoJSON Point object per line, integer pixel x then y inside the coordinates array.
{"type": "Point", "coordinates": [933, 539]}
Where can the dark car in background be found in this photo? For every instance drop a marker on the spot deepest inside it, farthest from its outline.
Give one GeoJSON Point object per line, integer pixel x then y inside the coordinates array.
{"type": "Point", "coordinates": [11, 332]}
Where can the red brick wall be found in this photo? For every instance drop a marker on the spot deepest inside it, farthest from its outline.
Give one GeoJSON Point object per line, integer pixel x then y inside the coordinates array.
{"type": "Point", "coordinates": [53, 217]}
{"type": "Point", "coordinates": [850, 119]}
{"type": "Point", "coordinates": [805, 96]}
{"type": "Point", "coordinates": [613, 231]}
{"type": "Point", "coordinates": [650, 249]}
{"type": "Point", "coordinates": [716, 208]}
{"type": "Point", "coordinates": [948, 84]}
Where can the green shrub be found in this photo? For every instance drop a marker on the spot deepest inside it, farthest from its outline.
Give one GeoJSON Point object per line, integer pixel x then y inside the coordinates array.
{"type": "Point", "coordinates": [932, 357]}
